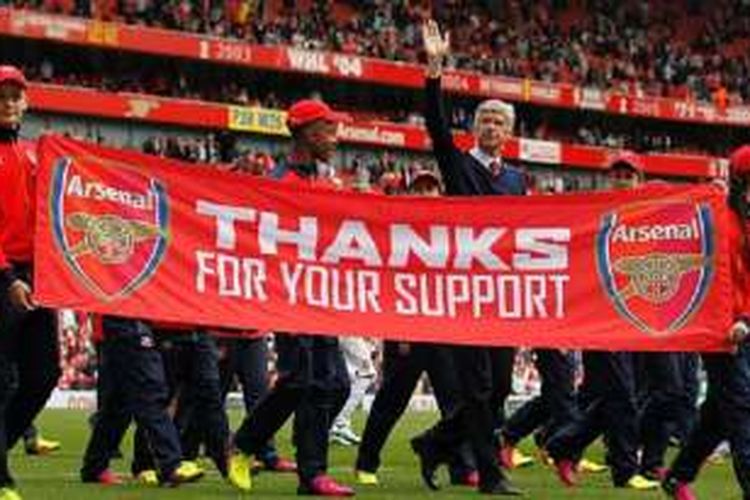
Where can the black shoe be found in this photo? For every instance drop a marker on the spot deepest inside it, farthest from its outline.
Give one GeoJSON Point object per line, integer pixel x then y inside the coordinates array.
{"type": "Point", "coordinates": [429, 461]}
{"type": "Point", "coordinates": [502, 488]}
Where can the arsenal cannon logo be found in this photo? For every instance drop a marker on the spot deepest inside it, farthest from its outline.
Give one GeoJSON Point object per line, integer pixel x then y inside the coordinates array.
{"type": "Point", "coordinates": [656, 262]}
{"type": "Point", "coordinates": [111, 224]}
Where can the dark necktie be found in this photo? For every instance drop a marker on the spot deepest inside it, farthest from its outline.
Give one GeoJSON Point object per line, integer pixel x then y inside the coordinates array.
{"type": "Point", "coordinates": [495, 168]}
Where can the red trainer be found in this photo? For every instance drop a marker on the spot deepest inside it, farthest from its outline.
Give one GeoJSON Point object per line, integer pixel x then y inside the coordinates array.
{"type": "Point", "coordinates": [281, 465]}
{"type": "Point", "coordinates": [325, 486]}
{"type": "Point", "coordinates": [505, 457]}
{"type": "Point", "coordinates": [108, 478]}
{"type": "Point", "coordinates": [472, 479]}
{"type": "Point", "coordinates": [566, 471]}
{"type": "Point", "coordinates": [684, 492]}
{"type": "Point", "coordinates": [678, 490]}
{"type": "Point", "coordinates": [658, 474]}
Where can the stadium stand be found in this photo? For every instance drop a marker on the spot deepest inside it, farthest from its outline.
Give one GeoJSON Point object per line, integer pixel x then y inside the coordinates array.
{"type": "Point", "coordinates": [671, 49]}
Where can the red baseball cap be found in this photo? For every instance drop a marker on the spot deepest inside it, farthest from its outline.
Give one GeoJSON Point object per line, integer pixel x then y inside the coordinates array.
{"type": "Point", "coordinates": [12, 74]}
{"type": "Point", "coordinates": [739, 162]}
{"type": "Point", "coordinates": [628, 160]}
{"type": "Point", "coordinates": [309, 110]}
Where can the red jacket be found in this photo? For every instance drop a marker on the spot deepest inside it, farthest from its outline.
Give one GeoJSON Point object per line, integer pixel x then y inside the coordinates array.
{"type": "Point", "coordinates": [17, 180]}
{"type": "Point", "coordinates": [303, 174]}
{"type": "Point", "coordinates": [739, 244]}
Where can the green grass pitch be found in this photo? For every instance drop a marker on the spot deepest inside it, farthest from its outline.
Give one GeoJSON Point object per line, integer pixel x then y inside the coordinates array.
{"type": "Point", "coordinates": [56, 477]}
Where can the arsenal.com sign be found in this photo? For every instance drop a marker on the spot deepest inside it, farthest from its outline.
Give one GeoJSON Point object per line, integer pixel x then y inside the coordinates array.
{"type": "Point", "coordinates": [133, 235]}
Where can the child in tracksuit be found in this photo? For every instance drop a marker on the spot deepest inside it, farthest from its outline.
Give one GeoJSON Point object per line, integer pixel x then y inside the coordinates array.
{"type": "Point", "coordinates": [132, 386]}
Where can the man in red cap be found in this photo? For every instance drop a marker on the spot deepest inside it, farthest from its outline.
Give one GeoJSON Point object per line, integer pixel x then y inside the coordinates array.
{"type": "Point", "coordinates": [313, 382]}
{"type": "Point", "coordinates": [29, 355]}
{"type": "Point", "coordinates": [313, 125]}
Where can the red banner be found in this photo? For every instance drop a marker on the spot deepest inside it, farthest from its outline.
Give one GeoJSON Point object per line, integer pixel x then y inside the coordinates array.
{"type": "Point", "coordinates": [137, 236]}
{"type": "Point", "coordinates": [142, 39]}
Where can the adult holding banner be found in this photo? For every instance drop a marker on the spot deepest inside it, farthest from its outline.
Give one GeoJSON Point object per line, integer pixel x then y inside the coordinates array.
{"type": "Point", "coordinates": [725, 413]}
{"type": "Point", "coordinates": [29, 353]}
{"type": "Point", "coordinates": [485, 373]}
{"type": "Point", "coordinates": [608, 392]}
{"type": "Point", "coordinates": [313, 381]}
{"type": "Point", "coordinates": [615, 397]}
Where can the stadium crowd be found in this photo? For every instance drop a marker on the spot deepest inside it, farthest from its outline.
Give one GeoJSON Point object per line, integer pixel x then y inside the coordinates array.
{"type": "Point", "coordinates": [688, 49]}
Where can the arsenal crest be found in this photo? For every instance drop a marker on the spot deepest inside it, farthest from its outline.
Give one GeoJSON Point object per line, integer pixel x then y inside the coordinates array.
{"type": "Point", "coordinates": [656, 262]}
{"type": "Point", "coordinates": [111, 224]}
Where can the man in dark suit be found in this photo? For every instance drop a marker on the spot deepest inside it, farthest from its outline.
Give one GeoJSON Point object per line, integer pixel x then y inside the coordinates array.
{"type": "Point", "coordinates": [485, 373]}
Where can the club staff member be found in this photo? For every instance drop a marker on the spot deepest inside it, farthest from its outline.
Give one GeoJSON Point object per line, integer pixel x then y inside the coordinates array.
{"type": "Point", "coordinates": [485, 373]}
{"type": "Point", "coordinates": [29, 351]}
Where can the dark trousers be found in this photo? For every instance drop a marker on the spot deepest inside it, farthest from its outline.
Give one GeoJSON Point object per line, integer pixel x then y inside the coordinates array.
{"type": "Point", "coordinates": [244, 360]}
{"type": "Point", "coordinates": [247, 360]}
{"type": "Point", "coordinates": [609, 390]}
{"type": "Point", "coordinates": [666, 401]}
{"type": "Point", "coordinates": [725, 414]}
{"type": "Point", "coordinates": [313, 384]}
{"type": "Point", "coordinates": [29, 371]}
{"type": "Point", "coordinates": [484, 377]}
{"type": "Point", "coordinates": [191, 366]}
{"type": "Point", "coordinates": [554, 407]}
{"type": "Point", "coordinates": [689, 417]}
{"type": "Point", "coordinates": [133, 386]}
{"type": "Point", "coordinates": [403, 366]}
{"type": "Point", "coordinates": [501, 361]}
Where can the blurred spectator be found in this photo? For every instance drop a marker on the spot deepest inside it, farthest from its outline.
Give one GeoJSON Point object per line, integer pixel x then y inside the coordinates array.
{"type": "Point", "coordinates": [77, 358]}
